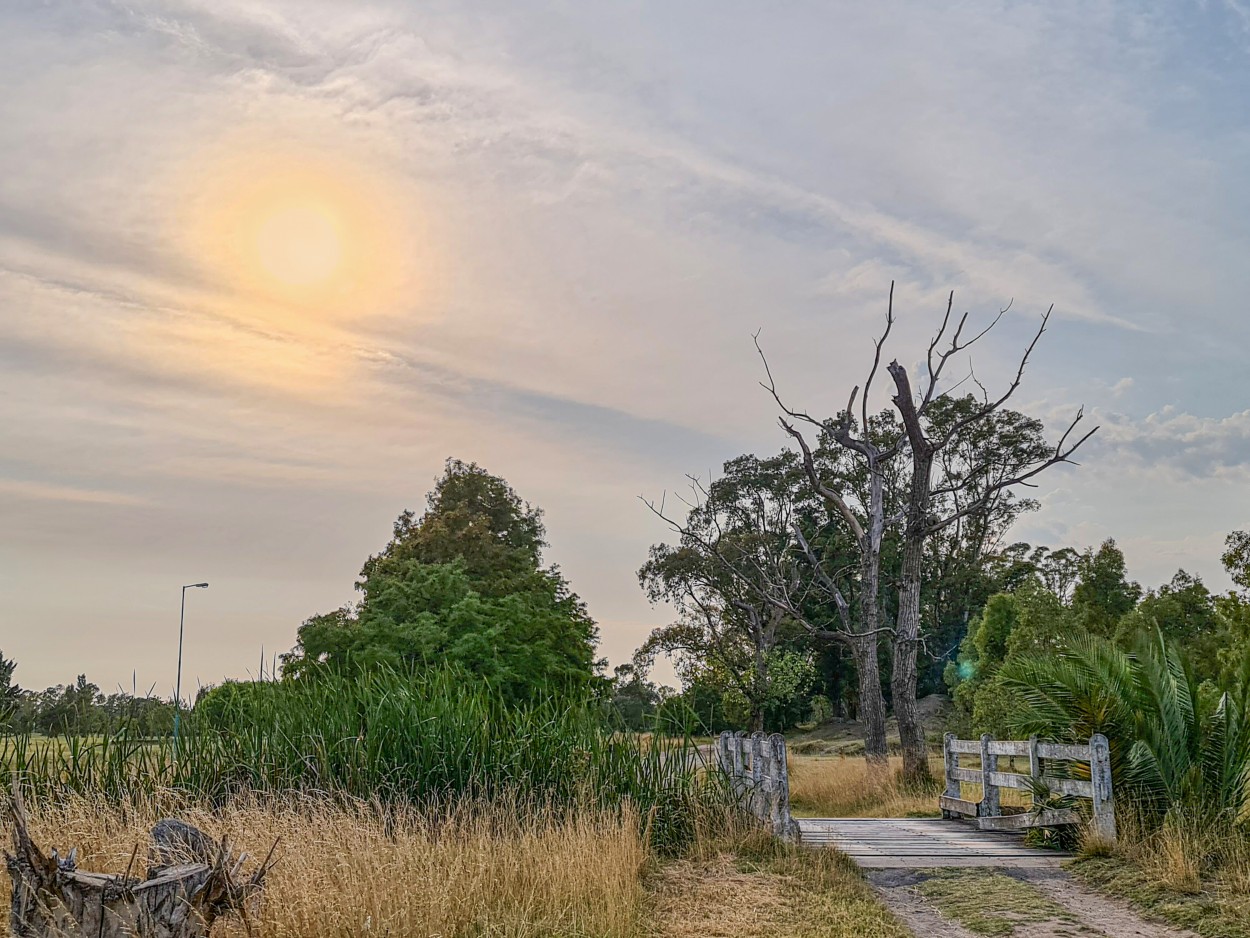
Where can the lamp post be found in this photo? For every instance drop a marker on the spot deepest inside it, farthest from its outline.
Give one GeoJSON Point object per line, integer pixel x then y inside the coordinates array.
{"type": "Point", "coordinates": [182, 618]}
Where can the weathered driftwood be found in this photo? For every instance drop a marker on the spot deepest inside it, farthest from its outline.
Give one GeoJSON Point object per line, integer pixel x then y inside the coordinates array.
{"type": "Point", "coordinates": [759, 775]}
{"type": "Point", "coordinates": [192, 881]}
{"type": "Point", "coordinates": [988, 811]}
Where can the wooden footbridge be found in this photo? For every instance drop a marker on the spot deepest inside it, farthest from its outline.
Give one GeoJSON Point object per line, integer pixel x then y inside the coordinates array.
{"type": "Point", "coordinates": [970, 833]}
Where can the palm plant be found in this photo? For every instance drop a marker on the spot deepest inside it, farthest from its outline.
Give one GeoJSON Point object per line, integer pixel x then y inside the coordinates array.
{"type": "Point", "coordinates": [1170, 744]}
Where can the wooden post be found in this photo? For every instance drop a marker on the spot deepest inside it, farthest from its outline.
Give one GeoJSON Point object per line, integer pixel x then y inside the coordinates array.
{"type": "Point", "coordinates": [785, 828]}
{"type": "Point", "coordinates": [990, 806]}
{"type": "Point", "coordinates": [772, 783]}
{"type": "Point", "coordinates": [758, 795]}
{"type": "Point", "coordinates": [1100, 779]}
{"type": "Point", "coordinates": [738, 769]}
{"type": "Point", "coordinates": [1035, 766]}
{"type": "Point", "coordinates": [950, 762]}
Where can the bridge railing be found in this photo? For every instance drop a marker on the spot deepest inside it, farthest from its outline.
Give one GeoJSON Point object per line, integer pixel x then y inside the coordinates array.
{"type": "Point", "coordinates": [759, 774]}
{"type": "Point", "coordinates": [1038, 781]}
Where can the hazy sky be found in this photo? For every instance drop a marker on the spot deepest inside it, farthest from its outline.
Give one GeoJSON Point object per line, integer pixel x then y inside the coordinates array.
{"type": "Point", "coordinates": [265, 265]}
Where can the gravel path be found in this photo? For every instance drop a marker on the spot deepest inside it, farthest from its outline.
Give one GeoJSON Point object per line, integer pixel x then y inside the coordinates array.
{"type": "Point", "coordinates": [1042, 903]}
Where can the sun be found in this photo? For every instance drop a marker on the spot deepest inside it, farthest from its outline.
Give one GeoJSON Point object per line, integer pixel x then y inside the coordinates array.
{"type": "Point", "coordinates": [300, 244]}
{"type": "Point", "coordinates": [294, 238]}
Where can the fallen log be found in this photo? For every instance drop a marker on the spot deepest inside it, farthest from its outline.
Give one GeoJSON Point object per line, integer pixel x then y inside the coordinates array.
{"type": "Point", "coordinates": [192, 882]}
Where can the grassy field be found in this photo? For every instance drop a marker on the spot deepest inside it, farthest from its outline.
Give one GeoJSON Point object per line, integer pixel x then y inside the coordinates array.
{"type": "Point", "coordinates": [352, 868]}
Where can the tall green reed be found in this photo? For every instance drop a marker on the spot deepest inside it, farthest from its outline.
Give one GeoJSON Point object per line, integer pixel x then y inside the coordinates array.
{"type": "Point", "coordinates": [388, 737]}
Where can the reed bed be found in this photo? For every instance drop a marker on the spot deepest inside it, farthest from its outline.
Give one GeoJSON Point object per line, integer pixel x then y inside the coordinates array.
{"type": "Point", "coordinates": [385, 737]}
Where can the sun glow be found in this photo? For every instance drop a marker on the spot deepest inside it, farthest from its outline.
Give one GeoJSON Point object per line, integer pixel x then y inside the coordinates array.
{"type": "Point", "coordinates": [297, 239]}
{"type": "Point", "coordinates": [300, 245]}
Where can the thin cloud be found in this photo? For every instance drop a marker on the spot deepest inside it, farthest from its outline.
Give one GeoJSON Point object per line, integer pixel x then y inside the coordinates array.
{"type": "Point", "coordinates": [50, 492]}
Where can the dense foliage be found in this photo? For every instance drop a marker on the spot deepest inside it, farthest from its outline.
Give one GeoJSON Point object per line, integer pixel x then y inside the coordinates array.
{"type": "Point", "coordinates": [462, 585]}
{"type": "Point", "coordinates": [1164, 675]}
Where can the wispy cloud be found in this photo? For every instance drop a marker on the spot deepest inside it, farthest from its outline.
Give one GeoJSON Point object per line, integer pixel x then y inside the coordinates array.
{"type": "Point", "coordinates": [603, 202]}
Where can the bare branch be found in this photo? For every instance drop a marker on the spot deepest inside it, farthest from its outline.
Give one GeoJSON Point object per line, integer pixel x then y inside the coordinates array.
{"type": "Point", "coordinates": [876, 362]}
{"type": "Point", "coordinates": [771, 388]}
{"type": "Point", "coordinates": [809, 466]}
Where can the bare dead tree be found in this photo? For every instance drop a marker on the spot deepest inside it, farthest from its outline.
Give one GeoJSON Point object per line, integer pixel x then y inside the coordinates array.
{"type": "Point", "coordinates": [920, 521]}
{"type": "Point", "coordinates": [866, 523]}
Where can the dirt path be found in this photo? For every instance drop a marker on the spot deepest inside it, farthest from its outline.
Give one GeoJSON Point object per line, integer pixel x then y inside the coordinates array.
{"type": "Point", "coordinates": [1011, 903]}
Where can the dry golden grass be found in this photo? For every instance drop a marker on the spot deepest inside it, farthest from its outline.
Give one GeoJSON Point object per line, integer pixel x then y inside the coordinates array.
{"type": "Point", "coordinates": [499, 870]}
{"type": "Point", "coordinates": [842, 786]}
{"type": "Point", "coordinates": [778, 892]}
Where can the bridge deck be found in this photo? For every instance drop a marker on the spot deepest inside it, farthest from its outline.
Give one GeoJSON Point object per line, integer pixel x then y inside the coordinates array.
{"type": "Point", "coordinates": [907, 843]}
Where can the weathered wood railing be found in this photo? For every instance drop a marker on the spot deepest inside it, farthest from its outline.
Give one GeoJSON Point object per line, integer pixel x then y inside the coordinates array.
{"type": "Point", "coordinates": [988, 811]}
{"type": "Point", "coordinates": [759, 774]}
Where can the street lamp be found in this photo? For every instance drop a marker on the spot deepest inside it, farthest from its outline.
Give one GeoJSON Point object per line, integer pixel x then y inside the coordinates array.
{"type": "Point", "coordinates": [182, 618]}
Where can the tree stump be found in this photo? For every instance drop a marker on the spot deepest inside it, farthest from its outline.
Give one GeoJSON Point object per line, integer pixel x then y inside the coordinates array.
{"type": "Point", "coordinates": [192, 881]}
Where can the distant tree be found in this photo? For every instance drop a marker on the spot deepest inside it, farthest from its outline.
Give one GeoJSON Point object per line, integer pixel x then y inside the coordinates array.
{"type": "Point", "coordinates": [10, 693]}
{"type": "Point", "coordinates": [1236, 558]}
{"type": "Point", "coordinates": [1026, 623]}
{"type": "Point", "coordinates": [66, 710]}
{"type": "Point", "coordinates": [1184, 611]}
{"type": "Point", "coordinates": [462, 585]}
{"type": "Point", "coordinates": [1103, 594]}
{"type": "Point", "coordinates": [634, 699]}
{"type": "Point", "coordinates": [144, 716]}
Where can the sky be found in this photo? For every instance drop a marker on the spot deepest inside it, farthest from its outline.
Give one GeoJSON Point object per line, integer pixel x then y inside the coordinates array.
{"type": "Point", "coordinates": [264, 266]}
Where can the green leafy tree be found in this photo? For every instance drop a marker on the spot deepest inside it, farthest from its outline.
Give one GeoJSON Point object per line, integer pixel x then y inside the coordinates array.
{"type": "Point", "coordinates": [730, 578]}
{"type": "Point", "coordinates": [634, 699]}
{"type": "Point", "coordinates": [1236, 558]}
{"type": "Point", "coordinates": [1103, 593]}
{"type": "Point", "coordinates": [66, 710]}
{"type": "Point", "coordinates": [1028, 622]}
{"type": "Point", "coordinates": [1184, 611]}
{"type": "Point", "coordinates": [462, 585]}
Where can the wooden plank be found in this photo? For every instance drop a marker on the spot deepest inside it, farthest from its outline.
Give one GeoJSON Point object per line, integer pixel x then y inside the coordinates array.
{"type": "Point", "coordinates": [1063, 751]}
{"type": "Point", "coordinates": [966, 745]}
{"type": "Point", "coordinates": [967, 775]}
{"type": "Point", "coordinates": [1069, 786]}
{"type": "Point", "coordinates": [1008, 780]}
{"type": "Point", "coordinates": [957, 805]}
{"type": "Point", "coordinates": [1016, 822]}
{"type": "Point", "coordinates": [1009, 747]}
{"type": "Point", "coordinates": [903, 843]}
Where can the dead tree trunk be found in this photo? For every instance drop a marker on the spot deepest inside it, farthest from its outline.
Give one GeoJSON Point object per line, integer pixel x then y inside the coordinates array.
{"type": "Point", "coordinates": [907, 627]}
{"type": "Point", "coordinates": [921, 523]}
{"type": "Point", "coordinates": [52, 898]}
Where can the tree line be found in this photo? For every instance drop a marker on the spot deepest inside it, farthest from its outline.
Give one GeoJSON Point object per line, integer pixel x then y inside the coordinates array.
{"type": "Point", "coordinates": [78, 708]}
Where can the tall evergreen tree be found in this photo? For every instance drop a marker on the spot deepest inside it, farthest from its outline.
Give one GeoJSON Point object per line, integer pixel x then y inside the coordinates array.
{"type": "Point", "coordinates": [463, 584]}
